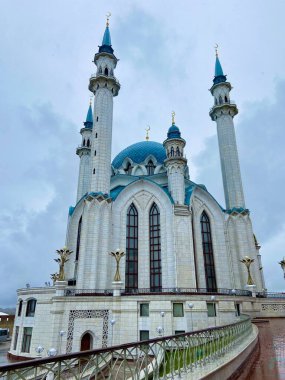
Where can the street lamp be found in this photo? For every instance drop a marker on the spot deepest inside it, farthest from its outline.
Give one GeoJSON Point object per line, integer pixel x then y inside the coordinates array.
{"type": "Point", "coordinates": [39, 350]}
{"type": "Point", "coordinates": [282, 263]}
{"type": "Point", "coordinates": [112, 322]}
{"type": "Point", "coordinates": [213, 298]}
{"type": "Point", "coordinates": [162, 314]}
{"type": "Point", "coordinates": [52, 352]}
{"type": "Point", "coordinates": [191, 305]}
{"type": "Point", "coordinates": [159, 330]}
{"type": "Point", "coordinates": [61, 334]}
{"type": "Point", "coordinates": [234, 292]}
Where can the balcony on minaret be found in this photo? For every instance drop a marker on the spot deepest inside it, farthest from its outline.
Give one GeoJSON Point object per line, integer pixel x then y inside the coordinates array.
{"type": "Point", "coordinates": [223, 105]}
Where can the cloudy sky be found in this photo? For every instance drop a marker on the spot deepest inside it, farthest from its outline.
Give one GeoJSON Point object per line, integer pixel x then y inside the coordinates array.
{"type": "Point", "coordinates": [166, 63]}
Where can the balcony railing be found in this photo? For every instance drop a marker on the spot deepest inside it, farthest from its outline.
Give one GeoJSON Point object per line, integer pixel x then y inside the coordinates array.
{"type": "Point", "coordinates": [231, 103]}
{"type": "Point", "coordinates": [158, 291]}
{"type": "Point", "coordinates": [270, 295]}
{"type": "Point", "coordinates": [159, 358]}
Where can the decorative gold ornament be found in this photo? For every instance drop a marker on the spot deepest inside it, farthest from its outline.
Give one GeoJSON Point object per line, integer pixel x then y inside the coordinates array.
{"type": "Point", "coordinates": [216, 49]}
{"type": "Point", "coordinates": [118, 254]}
{"type": "Point", "coordinates": [147, 133]}
{"type": "Point", "coordinates": [173, 117]}
{"type": "Point", "coordinates": [64, 254]}
{"type": "Point", "coordinates": [247, 261]}
{"type": "Point", "coordinates": [54, 277]}
{"type": "Point", "coordinates": [282, 263]}
{"type": "Point", "coordinates": [108, 15]}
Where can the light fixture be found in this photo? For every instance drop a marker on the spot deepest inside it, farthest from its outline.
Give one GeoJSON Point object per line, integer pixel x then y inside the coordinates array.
{"type": "Point", "coordinates": [52, 352]}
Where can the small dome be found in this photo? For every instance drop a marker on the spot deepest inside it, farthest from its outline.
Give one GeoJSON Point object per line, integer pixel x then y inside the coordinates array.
{"type": "Point", "coordinates": [173, 132]}
{"type": "Point", "coordinates": [139, 152]}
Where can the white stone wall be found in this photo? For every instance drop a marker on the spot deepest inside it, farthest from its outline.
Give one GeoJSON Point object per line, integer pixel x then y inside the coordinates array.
{"type": "Point", "coordinates": [88, 314]}
{"type": "Point", "coordinates": [102, 141]}
{"type": "Point", "coordinates": [176, 185]}
{"type": "Point", "coordinates": [229, 162]}
{"type": "Point", "coordinates": [84, 175]}
{"type": "Point", "coordinates": [241, 243]}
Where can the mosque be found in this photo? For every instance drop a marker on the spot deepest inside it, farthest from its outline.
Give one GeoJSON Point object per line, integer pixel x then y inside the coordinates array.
{"type": "Point", "coordinates": [176, 242]}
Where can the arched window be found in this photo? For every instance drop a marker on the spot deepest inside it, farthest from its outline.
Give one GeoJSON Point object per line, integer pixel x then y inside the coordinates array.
{"type": "Point", "coordinates": [84, 142]}
{"type": "Point", "coordinates": [20, 307]}
{"type": "Point", "coordinates": [150, 168]}
{"type": "Point", "coordinates": [88, 142]}
{"type": "Point", "coordinates": [78, 239]}
{"type": "Point", "coordinates": [106, 72]}
{"type": "Point", "coordinates": [97, 118]}
{"type": "Point", "coordinates": [94, 171]}
{"type": "Point", "coordinates": [132, 248]}
{"type": "Point", "coordinates": [220, 100]}
{"type": "Point", "coordinates": [226, 99]}
{"type": "Point", "coordinates": [31, 308]}
{"type": "Point", "coordinates": [95, 153]}
{"type": "Point", "coordinates": [155, 249]}
{"type": "Point", "coordinates": [96, 135]}
{"type": "Point", "coordinates": [172, 151]}
{"type": "Point", "coordinates": [209, 264]}
{"type": "Point", "coordinates": [216, 102]}
{"type": "Point", "coordinates": [177, 152]}
{"type": "Point", "coordinates": [129, 169]}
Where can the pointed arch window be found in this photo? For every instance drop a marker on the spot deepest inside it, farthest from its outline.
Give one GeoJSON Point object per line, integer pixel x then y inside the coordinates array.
{"type": "Point", "coordinates": [155, 249]}
{"type": "Point", "coordinates": [106, 72]}
{"type": "Point", "coordinates": [150, 167]}
{"type": "Point", "coordinates": [129, 169]}
{"type": "Point", "coordinates": [209, 264]}
{"type": "Point", "coordinates": [132, 249]}
{"type": "Point", "coordinates": [78, 238]}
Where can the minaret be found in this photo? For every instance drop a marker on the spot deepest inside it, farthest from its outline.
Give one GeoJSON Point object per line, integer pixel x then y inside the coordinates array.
{"type": "Point", "coordinates": [223, 113]}
{"type": "Point", "coordinates": [83, 152]}
{"type": "Point", "coordinates": [104, 86]}
{"type": "Point", "coordinates": [175, 163]}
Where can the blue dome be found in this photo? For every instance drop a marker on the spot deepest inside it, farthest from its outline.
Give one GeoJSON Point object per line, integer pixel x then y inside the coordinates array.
{"type": "Point", "coordinates": [139, 152]}
{"type": "Point", "coordinates": [173, 132]}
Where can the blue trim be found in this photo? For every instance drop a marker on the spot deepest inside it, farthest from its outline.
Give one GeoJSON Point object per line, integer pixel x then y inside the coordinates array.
{"type": "Point", "coordinates": [238, 210]}
{"type": "Point", "coordinates": [70, 211]}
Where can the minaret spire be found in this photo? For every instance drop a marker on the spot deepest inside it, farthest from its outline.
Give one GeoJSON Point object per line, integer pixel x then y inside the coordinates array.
{"type": "Point", "coordinates": [104, 86]}
{"type": "Point", "coordinates": [223, 113]}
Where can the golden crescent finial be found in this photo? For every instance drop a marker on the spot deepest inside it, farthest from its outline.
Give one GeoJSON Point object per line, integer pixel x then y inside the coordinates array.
{"type": "Point", "coordinates": [216, 49]}
{"type": "Point", "coordinates": [173, 117]}
{"type": "Point", "coordinates": [108, 15]}
{"type": "Point", "coordinates": [147, 132]}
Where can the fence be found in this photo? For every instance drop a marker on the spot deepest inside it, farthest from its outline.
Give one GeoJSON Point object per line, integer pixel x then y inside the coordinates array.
{"type": "Point", "coordinates": [159, 358]}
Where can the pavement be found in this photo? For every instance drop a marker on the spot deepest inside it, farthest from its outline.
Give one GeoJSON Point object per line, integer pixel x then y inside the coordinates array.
{"type": "Point", "coordinates": [4, 348]}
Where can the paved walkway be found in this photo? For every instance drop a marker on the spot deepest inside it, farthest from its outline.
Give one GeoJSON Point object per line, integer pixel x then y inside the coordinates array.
{"type": "Point", "coordinates": [4, 347]}
{"type": "Point", "coordinates": [270, 364]}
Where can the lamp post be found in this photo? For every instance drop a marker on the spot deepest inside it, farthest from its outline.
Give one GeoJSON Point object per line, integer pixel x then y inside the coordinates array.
{"type": "Point", "coordinates": [39, 350]}
{"type": "Point", "coordinates": [282, 263]}
{"type": "Point", "coordinates": [213, 298]}
{"type": "Point", "coordinates": [159, 330]}
{"type": "Point", "coordinates": [191, 305]}
{"type": "Point", "coordinates": [61, 334]}
{"type": "Point", "coordinates": [112, 322]}
{"type": "Point", "coordinates": [162, 314]}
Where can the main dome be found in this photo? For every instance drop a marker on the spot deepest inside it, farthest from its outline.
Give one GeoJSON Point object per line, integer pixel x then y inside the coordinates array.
{"type": "Point", "coordinates": [138, 152]}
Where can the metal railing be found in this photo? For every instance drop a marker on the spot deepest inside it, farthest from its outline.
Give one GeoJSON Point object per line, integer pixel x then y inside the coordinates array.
{"type": "Point", "coordinates": [231, 103]}
{"type": "Point", "coordinates": [158, 291]}
{"type": "Point", "coordinates": [159, 358]}
{"type": "Point", "coordinates": [270, 295]}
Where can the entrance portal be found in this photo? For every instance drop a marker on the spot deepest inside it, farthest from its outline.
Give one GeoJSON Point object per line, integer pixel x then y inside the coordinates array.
{"type": "Point", "coordinates": [86, 342]}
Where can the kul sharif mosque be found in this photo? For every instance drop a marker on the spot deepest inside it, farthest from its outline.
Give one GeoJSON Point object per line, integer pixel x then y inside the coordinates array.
{"type": "Point", "coordinates": [140, 213]}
